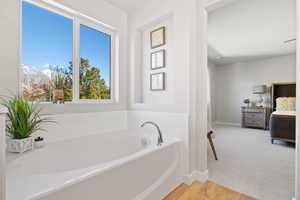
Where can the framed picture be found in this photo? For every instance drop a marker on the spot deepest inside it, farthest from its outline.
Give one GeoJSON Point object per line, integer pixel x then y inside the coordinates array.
{"type": "Point", "coordinates": [157, 81]}
{"type": "Point", "coordinates": [158, 37]}
{"type": "Point", "coordinates": [158, 59]}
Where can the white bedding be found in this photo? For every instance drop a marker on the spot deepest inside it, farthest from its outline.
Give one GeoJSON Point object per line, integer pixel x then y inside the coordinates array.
{"type": "Point", "coordinates": [285, 112]}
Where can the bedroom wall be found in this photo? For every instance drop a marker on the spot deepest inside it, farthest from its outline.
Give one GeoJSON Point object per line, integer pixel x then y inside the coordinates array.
{"type": "Point", "coordinates": [212, 73]}
{"type": "Point", "coordinates": [234, 83]}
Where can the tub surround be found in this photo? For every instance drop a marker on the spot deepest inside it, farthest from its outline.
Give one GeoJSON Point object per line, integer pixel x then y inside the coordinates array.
{"type": "Point", "coordinates": [100, 160]}
{"type": "Point", "coordinates": [95, 145]}
{"type": "Point", "coordinates": [173, 125]}
{"type": "Point", "coordinates": [70, 126]}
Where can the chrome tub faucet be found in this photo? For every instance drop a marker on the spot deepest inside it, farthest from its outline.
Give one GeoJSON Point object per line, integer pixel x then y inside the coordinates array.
{"type": "Point", "coordinates": [160, 138]}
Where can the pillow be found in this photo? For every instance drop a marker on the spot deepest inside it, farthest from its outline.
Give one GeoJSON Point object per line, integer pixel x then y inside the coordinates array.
{"type": "Point", "coordinates": [285, 103]}
{"type": "Point", "coordinates": [292, 103]}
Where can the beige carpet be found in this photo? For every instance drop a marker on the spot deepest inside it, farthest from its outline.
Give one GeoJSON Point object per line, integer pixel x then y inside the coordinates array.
{"type": "Point", "coordinates": [250, 164]}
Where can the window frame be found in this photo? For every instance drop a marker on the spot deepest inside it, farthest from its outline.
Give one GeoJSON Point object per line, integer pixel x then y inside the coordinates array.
{"type": "Point", "coordinates": [77, 19]}
{"type": "Point", "coordinates": [97, 27]}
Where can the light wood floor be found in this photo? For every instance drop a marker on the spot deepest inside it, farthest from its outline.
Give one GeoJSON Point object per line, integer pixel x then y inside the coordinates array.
{"type": "Point", "coordinates": [205, 191]}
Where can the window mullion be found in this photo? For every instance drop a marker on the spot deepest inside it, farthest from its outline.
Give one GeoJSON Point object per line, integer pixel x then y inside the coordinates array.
{"type": "Point", "coordinates": [76, 59]}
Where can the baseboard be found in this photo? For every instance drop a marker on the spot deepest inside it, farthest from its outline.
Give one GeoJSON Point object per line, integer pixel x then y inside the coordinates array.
{"type": "Point", "coordinates": [228, 124]}
{"type": "Point", "coordinates": [196, 176]}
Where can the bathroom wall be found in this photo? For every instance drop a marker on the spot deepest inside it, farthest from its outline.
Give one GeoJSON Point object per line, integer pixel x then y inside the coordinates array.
{"type": "Point", "coordinates": [186, 60]}
{"type": "Point", "coordinates": [175, 16]}
{"type": "Point", "coordinates": [10, 51]}
{"type": "Point", "coordinates": [2, 153]}
{"type": "Point", "coordinates": [9, 48]}
{"type": "Point", "coordinates": [158, 97]}
{"type": "Point", "coordinates": [173, 113]}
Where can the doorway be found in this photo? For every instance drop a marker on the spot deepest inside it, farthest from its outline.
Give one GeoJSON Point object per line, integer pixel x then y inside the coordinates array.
{"type": "Point", "coordinates": [236, 66]}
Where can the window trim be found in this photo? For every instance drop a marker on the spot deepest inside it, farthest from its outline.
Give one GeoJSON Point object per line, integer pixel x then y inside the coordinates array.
{"type": "Point", "coordinates": [78, 19]}
{"type": "Point", "coordinates": [97, 27]}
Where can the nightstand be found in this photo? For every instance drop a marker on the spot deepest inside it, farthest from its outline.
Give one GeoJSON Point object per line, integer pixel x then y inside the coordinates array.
{"type": "Point", "coordinates": [254, 117]}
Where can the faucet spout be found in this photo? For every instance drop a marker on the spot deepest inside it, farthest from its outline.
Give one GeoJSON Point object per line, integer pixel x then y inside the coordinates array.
{"type": "Point", "coordinates": [160, 137]}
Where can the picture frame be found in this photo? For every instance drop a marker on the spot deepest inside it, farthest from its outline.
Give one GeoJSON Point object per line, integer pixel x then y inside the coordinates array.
{"type": "Point", "coordinates": [158, 37]}
{"type": "Point", "coordinates": [158, 59]}
{"type": "Point", "coordinates": [157, 81]}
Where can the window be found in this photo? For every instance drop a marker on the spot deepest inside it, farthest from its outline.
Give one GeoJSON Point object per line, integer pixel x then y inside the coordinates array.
{"type": "Point", "coordinates": [59, 53]}
{"type": "Point", "coordinates": [47, 40]}
{"type": "Point", "coordinates": [95, 48]}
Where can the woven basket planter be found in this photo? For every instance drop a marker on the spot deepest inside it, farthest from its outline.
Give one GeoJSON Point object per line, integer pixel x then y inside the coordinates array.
{"type": "Point", "coordinates": [20, 145]}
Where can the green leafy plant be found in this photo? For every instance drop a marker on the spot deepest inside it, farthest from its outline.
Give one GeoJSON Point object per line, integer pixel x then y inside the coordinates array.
{"type": "Point", "coordinates": [246, 101]}
{"type": "Point", "coordinates": [24, 117]}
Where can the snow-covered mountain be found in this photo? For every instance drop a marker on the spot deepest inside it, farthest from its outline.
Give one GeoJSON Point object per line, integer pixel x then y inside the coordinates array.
{"type": "Point", "coordinates": [32, 75]}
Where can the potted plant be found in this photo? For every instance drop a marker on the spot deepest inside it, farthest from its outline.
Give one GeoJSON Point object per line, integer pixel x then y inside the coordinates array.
{"type": "Point", "coordinates": [58, 80]}
{"type": "Point", "coordinates": [247, 102]}
{"type": "Point", "coordinates": [23, 119]}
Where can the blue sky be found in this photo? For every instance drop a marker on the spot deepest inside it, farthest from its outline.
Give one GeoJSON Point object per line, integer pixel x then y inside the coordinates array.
{"type": "Point", "coordinates": [47, 40]}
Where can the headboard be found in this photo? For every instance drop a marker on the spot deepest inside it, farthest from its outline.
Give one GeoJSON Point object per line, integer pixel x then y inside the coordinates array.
{"type": "Point", "coordinates": [282, 90]}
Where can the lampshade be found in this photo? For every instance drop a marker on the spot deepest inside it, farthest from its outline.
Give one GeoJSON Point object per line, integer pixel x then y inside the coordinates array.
{"type": "Point", "coordinates": [259, 89]}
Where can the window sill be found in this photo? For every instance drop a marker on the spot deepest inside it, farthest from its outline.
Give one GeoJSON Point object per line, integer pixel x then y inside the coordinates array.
{"type": "Point", "coordinates": [81, 102]}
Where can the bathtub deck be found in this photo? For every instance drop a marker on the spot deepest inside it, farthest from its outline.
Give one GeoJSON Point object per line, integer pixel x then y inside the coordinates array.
{"type": "Point", "coordinates": [205, 191]}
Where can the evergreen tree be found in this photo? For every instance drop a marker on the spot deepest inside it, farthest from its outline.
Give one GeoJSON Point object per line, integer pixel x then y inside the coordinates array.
{"type": "Point", "coordinates": [92, 85]}
{"type": "Point", "coordinates": [68, 83]}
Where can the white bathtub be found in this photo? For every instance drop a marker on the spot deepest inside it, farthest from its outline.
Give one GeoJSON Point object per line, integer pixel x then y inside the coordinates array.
{"type": "Point", "coordinates": [111, 166]}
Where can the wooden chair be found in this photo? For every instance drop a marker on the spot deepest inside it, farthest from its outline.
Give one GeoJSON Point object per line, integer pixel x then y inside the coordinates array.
{"type": "Point", "coordinates": [209, 134]}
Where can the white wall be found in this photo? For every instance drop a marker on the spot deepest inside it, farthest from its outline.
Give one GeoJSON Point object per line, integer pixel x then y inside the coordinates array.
{"type": "Point", "coordinates": [3, 112]}
{"type": "Point", "coordinates": [158, 97]}
{"type": "Point", "coordinates": [235, 82]}
{"type": "Point", "coordinates": [212, 73]}
{"type": "Point", "coordinates": [10, 48]}
{"type": "Point", "coordinates": [175, 15]}
{"type": "Point", "coordinates": [186, 63]}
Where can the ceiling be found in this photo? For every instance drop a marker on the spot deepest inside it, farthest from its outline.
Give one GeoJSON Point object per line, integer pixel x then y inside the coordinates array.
{"type": "Point", "coordinates": [251, 29]}
{"type": "Point", "coordinates": [128, 5]}
{"type": "Point", "coordinates": [242, 30]}
{"type": "Point", "coordinates": [132, 5]}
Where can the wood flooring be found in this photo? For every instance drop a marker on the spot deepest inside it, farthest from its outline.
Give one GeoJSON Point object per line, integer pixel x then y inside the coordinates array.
{"type": "Point", "coordinates": [205, 191]}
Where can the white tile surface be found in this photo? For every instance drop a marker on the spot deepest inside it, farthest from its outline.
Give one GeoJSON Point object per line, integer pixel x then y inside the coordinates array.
{"type": "Point", "coordinates": [250, 164]}
{"type": "Point", "coordinates": [69, 126]}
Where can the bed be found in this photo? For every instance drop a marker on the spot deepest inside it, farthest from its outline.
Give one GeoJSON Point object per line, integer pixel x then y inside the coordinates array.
{"type": "Point", "coordinates": [283, 122]}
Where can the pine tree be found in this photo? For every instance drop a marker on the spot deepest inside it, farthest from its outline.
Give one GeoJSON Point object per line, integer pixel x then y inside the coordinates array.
{"type": "Point", "coordinates": [92, 85]}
